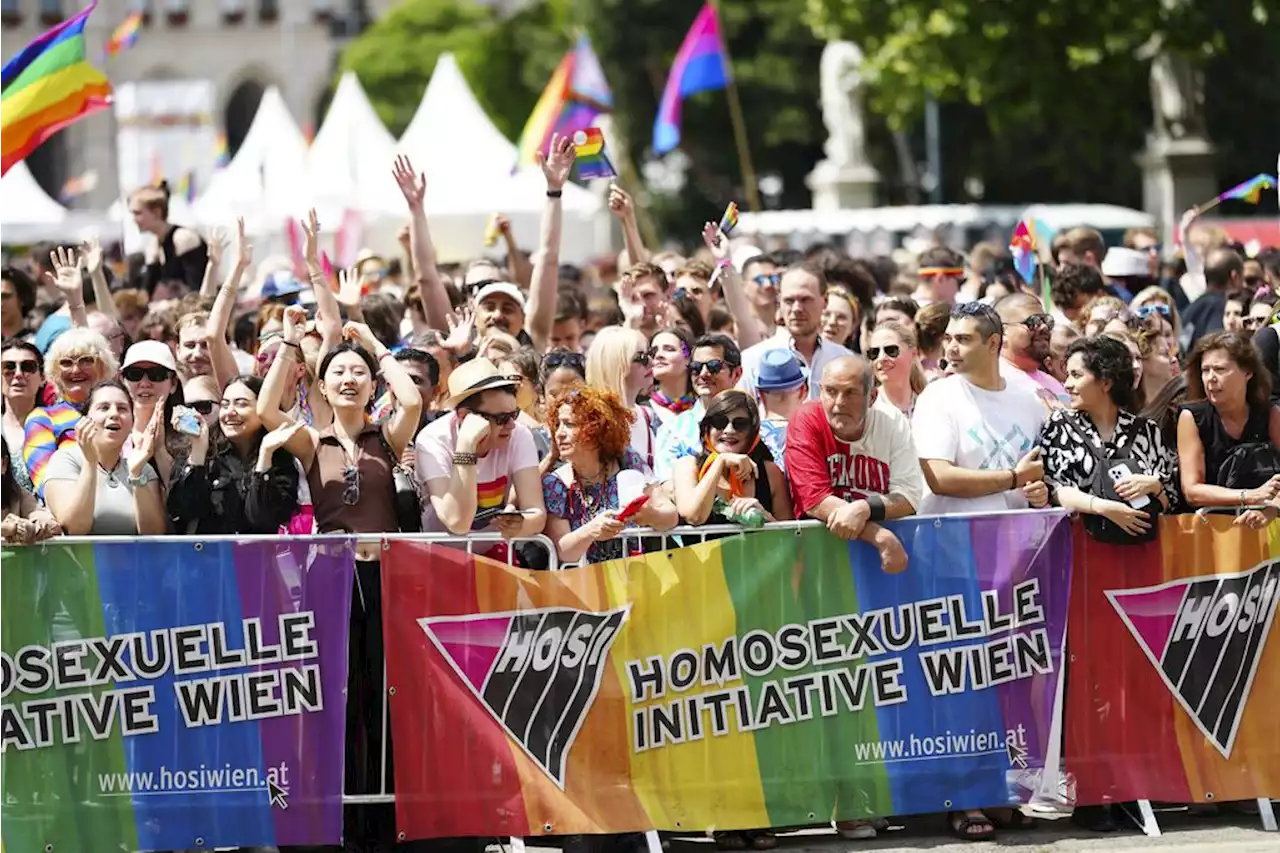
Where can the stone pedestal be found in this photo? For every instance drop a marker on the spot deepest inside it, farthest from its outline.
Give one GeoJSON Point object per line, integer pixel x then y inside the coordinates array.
{"type": "Point", "coordinates": [1177, 174]}
{"type": "Point", "coordinates": [842, 187]}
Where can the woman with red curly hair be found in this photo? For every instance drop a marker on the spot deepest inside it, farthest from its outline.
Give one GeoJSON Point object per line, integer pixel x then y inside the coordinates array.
{"type": "Point", "coordinates": [591, 428]}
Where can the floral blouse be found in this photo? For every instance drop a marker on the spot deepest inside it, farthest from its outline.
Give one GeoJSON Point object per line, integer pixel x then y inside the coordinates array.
{"type": "Point", "coordinates": [1067, 463]}
{"type": "Point", "coordinates": [577, 505]}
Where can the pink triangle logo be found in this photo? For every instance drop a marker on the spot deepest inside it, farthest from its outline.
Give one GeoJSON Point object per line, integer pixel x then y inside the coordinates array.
{"type": "Point", "coordinates": [471, 645]}
{"type": "Point", "coordinates": [1150, 613]}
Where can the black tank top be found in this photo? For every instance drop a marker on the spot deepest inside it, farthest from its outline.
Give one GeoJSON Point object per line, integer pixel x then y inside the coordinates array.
{"type": "Point", "coordinates": [188, 267]}
{"type": "Point", "coordinates": [1218, 444]}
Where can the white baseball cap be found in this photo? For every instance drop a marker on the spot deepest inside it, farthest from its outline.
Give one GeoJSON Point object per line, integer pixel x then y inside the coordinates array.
{"type": "Point", "coordinates": [501, 289]}
{"type": "Point", "coordinates": [150, 352]}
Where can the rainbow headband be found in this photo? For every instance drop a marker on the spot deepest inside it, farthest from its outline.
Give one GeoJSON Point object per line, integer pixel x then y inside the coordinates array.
{"type": "Point", "coordinates": [927, 272]}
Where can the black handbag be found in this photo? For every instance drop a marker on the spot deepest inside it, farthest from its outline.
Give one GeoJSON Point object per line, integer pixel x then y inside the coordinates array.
{"type": "Point", "coordinates": [1249, 465]}
{"type": "Point", "coordinates": [406, 499]}
{"type": "Point", "coordinates": [1101, 486]}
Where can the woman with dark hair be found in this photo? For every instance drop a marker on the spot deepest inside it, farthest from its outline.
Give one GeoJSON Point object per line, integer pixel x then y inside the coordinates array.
{"type": "Point", "coordinates": [522, 366]}
{"type": "Point", "coordinates": [562, 369]}
{"type": "Point", "coordinates": [592, 430]}
{"type": "Point", "coordinates": [21, 377]}
{"type": "Point", "coordinates": [19, 296]}
{"type": "Point", "coordinates": [930, 325]}
{"type": "Point", "coordinates": [1098, 434]}
{"type": "Point", "coordinates": [1163, 410]}
{"type": "Point", "coordinates": [151, 375]}
{"type": "Point", "coordinates": [1229, 419]}
{"type": "Point", "coordinates": [236, 478]}
{"type": "Point", "coordinates": [25, 520]}
{"type": "Point", "coordinates": [176, 252]}
{"type": "Point", "coordinates": [92, 487]}
{"type": "Point", "coordinates": [733, 465]}
{"type": "Point", "coordinates": [684, 314]}
{"type": "Point", "coordinates": [669, 353]}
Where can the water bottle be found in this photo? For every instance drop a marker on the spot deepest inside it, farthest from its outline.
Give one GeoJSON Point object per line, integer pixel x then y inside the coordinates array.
{"type": "Point", "coordinates": [753, 518]}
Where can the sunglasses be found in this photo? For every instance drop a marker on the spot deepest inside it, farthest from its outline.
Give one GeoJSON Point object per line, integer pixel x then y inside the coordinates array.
{"type": "Point", "coordinates": [204, 407]}
{"type": "Point", "coordinates": [350, 485]}
{"type": "Point", "coordinates": [499, 418]}
{"type": "Point", "coordinates": [1253, 280]}
{"type": "Point", "coordinates": [1254, 323]}
{"type": "Point", "coordinates": [974, 309]}
{"type": "Point", "coordinates": [559, 359]}
{"type": "Point", "coordinates": [642, 358]}
{"type": "Point", "coordinates": [1156, 308]}
{"type": "Point", "coordinates": [1037, 321]}
{"type": "Point", "coordinates": [890, 351]}
{"type": "Point", "coordinates": [719, 422]}
{"type": "Point", "coordinates": [24, 366]}
{"type": "Point", "coordinates": [713, 367]}
{"type": "Point", "coordinates": [84, 362]}
{"type": "Point", "coordinates": [155, 374]}
{"type": "Point", "coordinates": [468, 290]}
{"type": "Point", "coordinates": [772, 279]}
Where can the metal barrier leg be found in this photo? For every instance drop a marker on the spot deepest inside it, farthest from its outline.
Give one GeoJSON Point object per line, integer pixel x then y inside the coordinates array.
{"type": "Point", "coordinates": [517, 844]}
{"type": "Point", "coordinates": [1148, 823]}
{"type": "Point", "coordinates": [654, 842]}
{"type": "Point", "coordinates": [1267, 813]}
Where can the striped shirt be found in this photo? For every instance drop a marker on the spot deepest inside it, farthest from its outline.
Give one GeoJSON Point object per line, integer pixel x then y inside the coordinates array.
{"type": "Point", "coordinates": [47, 429]}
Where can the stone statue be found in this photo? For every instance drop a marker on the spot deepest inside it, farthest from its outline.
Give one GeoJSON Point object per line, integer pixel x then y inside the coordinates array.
{"type": "Point", "coordinates": [842, 85]}
{"type": "Point", "coordinates": [1177, 95]}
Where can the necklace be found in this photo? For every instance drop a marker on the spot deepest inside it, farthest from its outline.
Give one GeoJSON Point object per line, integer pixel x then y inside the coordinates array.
{"type": "Point", "coordinates": [584, 486]}
{"type": "Point", "coordinates": [676, 406]}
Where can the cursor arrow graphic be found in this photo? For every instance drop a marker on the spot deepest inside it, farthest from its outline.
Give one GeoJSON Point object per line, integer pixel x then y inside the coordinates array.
{"type": "Point", "coordinates": [278, 796]}
{"type": "Point", "coordinates": [1017, 754]}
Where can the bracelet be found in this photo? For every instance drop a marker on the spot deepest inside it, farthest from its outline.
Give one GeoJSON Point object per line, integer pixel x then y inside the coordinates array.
{"type": "Point", "coordinates": [724, 263]}
{"type": "Point", "coordinates": [554, 193]}
{"type": "Point", "coordinates": [464, 458]}
{"type": "Point", "coordinates": [877, 504]}
{"type": "Point", "coordinates": [1242, 491]}
{"type": "Point", "coordinates": [1013, 472]}
{"type": "Point", "coordinates": [385, 354]}
{"type": "Point", "coordinates": [298, 347]}
{"type": "Point", "coordinates": [1091, 505]}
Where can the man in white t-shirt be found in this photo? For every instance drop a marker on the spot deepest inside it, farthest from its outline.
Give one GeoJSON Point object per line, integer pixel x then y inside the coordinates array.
{"type": "Point", "coordinates": [976, 433]}
{"type": "Point", "coordinates": [477, 459]}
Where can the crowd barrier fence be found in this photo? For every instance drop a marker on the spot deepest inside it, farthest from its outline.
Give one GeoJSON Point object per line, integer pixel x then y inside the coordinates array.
{"type": "Point", "coordinates": [1246, 557]}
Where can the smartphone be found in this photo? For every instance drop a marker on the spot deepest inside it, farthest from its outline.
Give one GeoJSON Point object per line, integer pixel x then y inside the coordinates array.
{"type": "Point", "coordinates": [186, 420]}
{"type": "Point", "coordinates": [626, 513]}
{"type": "Point", "coordinates": [1118, 473]}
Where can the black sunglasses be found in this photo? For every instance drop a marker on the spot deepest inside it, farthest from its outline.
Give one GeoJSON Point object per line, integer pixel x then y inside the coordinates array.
{"type": "Point", "coordinates": [890, 351]}
{"type": "Point", "coordinates": [1036, 321]}
{"type": "Point", "coordinates": [499, 418]}
{"type": "Point", "coordinates": [642, 358]}
{"type": "Point", "coordinates": [155, 374]}
{"type": "Point", "coordinates": [719, 422]}
{"type": "Point", "coordinates": [24, 366]}
{"type": "Point", "coordinates": [713, 367]}
{"type": "Point", "coordinates": [475, 286]}
{"type": "Point", "coordinates": [552, 360]}
{"type": "Point", "coordinates": [204, 407]}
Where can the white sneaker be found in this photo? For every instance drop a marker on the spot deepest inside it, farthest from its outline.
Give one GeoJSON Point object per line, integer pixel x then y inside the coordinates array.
{"type": "Point", "coordinates": [856, 830]}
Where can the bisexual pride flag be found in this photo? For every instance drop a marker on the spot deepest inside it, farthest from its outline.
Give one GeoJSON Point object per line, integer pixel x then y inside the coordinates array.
{"type": "Point", "coordinates": [778, 678]}
{"type": "Point", "coordinates": [175, 695]}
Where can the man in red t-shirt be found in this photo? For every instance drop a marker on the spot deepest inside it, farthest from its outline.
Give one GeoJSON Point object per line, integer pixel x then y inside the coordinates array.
{"type": "Point", "coordinates": [855, 463]}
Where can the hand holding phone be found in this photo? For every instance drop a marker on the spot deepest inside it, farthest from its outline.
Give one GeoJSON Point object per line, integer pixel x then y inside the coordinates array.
{"type": "Point", "coordinates": [633, 506]}
{"type": "Point", "coordinates": [1117, 473]}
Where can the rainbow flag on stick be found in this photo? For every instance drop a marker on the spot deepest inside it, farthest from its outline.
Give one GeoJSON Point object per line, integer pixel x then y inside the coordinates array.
{"type": "Point", "coordinates": [574, 98]}
{"type": "Point", "coordinates": [1250, 191]}
{"type": "Point", "coordinates": [125, 35]}
{"type": "Point", "coordinates": [722, 685]}
{"type": "Point", "coordinates": [701, 65]}
{"type": "Point", "coordinates": [592, 161]}
{"type": "Point", "coordinates": [48, 86]}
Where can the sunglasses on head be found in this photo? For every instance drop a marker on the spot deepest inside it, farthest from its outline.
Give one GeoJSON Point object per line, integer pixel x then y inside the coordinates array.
{"type": "Point", "coordinates": [742, 423]}
{"type": "Point", "coordinates": [469, 290]}
{"type": "Point", "coordinates": [973, 309]}
{"type": "Point", "coordinates": [204, 407]}
{"type": "Point", "coordinates": [499, 418]}
{"type": "Point", "coordinates": [1155, 308]}
{"type": "Point", "coordinates": [713, 367]}
{"type": "Point", "coordinates": [155, 374]}
{"type": "Point", "coordinates": [890, 351]}
{"type": "Point", "coordinates": [24, 366]}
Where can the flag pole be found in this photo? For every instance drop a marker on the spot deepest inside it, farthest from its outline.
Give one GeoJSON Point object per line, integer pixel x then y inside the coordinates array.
{"type": "Point", "coordinates": [739, 125]}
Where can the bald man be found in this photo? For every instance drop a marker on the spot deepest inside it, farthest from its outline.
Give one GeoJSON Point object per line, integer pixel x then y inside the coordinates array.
{"type": "Point", "coordinates": [1028, 340]}
{"type": "Point", "coordinates": [854, 461]}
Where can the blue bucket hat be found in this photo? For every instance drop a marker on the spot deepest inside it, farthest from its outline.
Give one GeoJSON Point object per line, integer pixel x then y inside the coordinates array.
{"type": "Point", "coordinates": [780, 370]}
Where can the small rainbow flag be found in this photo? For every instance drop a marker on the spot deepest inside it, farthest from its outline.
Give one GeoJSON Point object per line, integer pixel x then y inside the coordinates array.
{"type": "Point", "coordinates": [1023, 247]}
{"type": "Point", "coordinates": [125, 35]}
{"type": "Point", "coordinates": [592, 160]}
{"type": "Point", "coordinates": [78, 186]}
{"type": "Point", "coordinates": [1251, 190]}
{"type": "Point", "coordinates": [729, 221]}
{"type": "Point", "coordinates": [221, 157]}
{"type": "Point", "coordinates": [187, 186]}
{"type": "Point", "coordinates": [48, 86]}
{"type": "Point", "coordinates": [701, 65]}
{"type": "Point", "coordinates": [574, 98]}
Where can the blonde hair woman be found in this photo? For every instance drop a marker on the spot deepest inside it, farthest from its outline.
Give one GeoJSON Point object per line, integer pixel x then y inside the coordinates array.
{"type": "Point", "coordinates": [77, 360]}
{"type": "Point", "coordinates": [619, 361]}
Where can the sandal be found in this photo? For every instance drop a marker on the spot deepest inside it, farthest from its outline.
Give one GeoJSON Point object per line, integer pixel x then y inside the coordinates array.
{"type": "Point", "coordinates": [761, 839]}
{"type": "Point", "coordinates": [855, 830]}
{"type": "Point", "coordinates": [1015, 820]}
{"type": "Point", "coordinates": [960, 825]}
{"type": "Point", "coordinates": [730, 840]}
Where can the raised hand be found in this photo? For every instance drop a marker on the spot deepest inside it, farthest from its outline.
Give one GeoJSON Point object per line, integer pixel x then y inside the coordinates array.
{"type": "Point", "coordinates": [461, 325]}
{"type": "Point", "coordinates": [557, 163]}
{"type": "Point", "coordinates": [145, 447]}
{"type": "Point", "coordinates": [405, 237]}
{"type": "Point", "coordinates": [277, 439]}
{"type": "Point", "coordinates": [349, 287]}
{"type": "Point", "coordinates": [87, 432]}
{"type": "Point", "coordinates": [295, 323]}
{"type": "Point", "coordinates": [311, 241]}
{"type": "Point", "coordinates": [360, 333]}
{"type": "Point", "coordinates": [715, 240]}
{"type": "Point", "coordinates": [66, 267]}
{"type": "Point", "coordinates": [91, 253]}
{"type": "Point", "coordinates": [244, 249]}
{"type": "Point", "coordinates": [216, 241]}
{"type": "Point", "coordinates": [620, 204]}
{"type": "Point", "coordinates": [412, 184]}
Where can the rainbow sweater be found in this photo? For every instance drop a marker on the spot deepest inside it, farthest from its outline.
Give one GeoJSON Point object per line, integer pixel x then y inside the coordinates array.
{"type": "Point", "coordinates": [47, 429]}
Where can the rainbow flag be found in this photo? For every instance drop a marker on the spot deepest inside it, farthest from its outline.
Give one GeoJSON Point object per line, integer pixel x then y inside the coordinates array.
{"type": "Point", "coordinates": [125, 35]}
{"type": "Point", "coordinates": [592, 160]}
{"type": "Point", "coordinates": [221, 157]}
{"type": "Point", "coordinates": [747, 682]}
{"type": "Point", "coordinates": [78, 186]}
{"type": "Point", "coordinates": [701, 65]}
{"type": "Point", "coordinates": [729, 220]}
{"type": "Point", "coordinates": [241, 747]}
{"type": "Point", "coordinates": [1251, 190]}
{"type": "Point", "coordinates": [48, 86]}
{"type": "Point", "coordinates": [1182, 636]}
{"type": "Point", "coordinates": [187, 186]}
{"type": "Point", "coordinates": [574, 98]}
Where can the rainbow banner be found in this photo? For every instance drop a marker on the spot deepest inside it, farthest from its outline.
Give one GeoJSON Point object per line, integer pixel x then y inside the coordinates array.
{"type": "Point", "coordinates": [173, 696]}
{"type": "Point", "coordinates": [1175, 683]}
{"type": "Point", "coordinates": [777, 678]}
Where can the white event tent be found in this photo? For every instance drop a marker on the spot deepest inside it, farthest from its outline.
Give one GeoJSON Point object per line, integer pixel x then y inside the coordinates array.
{"type": "Point", "coordinates": [349, 162]}
{"type": "Point", "coordinates": [266, 180]}
{"type": "Point", "coordinates": [468, 165]}
{"type": "Point", "coordinates": [27, 213]}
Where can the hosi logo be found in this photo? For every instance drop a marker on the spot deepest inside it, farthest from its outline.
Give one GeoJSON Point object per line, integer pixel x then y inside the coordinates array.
{"type": "Point", "coordinates": [536, 672]}
{"type": "Point", "coordinates": [1205, 636]}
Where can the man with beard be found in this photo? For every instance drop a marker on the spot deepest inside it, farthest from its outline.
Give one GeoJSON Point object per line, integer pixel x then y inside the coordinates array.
{"type": "Point", "coordinates": [1028, 339]}
{"type": "Point", "coordinates": [501, 306]}
{"type": "Point", "coordinates": [715, 365]}
{"type": "Point", "coordinates": [803, 296]}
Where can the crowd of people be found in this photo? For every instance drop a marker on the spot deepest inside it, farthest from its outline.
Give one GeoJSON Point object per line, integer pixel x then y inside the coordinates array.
{"type": "Point", "coordinates": [193, 394]}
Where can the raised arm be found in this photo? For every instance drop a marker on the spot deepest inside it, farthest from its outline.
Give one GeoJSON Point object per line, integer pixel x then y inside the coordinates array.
{"type": "Point", "coordinates": [66, 278]}
{"type": "Point", "coordinates": [224, 361]}
{"type": "Point", "coordinates": [91, 254]}
{"type": "Point", "coordinates": [328, 313]}
{"type": "Point", "coordinates": [301, 444]}
{"type": "Point", "coordinates": [518, 266]}
{"type": "Point", "coordinates": [216, 243]}
{"type": "Point", "coordinates": [731, 283]}
{"type": "Point", "coordinates": [623, 207]}
{"type": "Point", "coordinates": [400, 428]}
{"type": "Point", "coordinates": [556, 166]}
{"type": "Point", "coordinates": [435, 300]}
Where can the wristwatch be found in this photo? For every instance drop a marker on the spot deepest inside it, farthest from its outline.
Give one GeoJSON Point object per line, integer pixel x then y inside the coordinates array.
{"type": "Point", "coordinates": [137, 482]}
